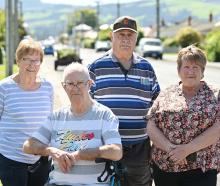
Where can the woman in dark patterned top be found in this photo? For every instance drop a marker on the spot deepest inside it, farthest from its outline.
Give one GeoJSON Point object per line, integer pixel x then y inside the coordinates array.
{"type": "Point", "coordinates": [184, 126]}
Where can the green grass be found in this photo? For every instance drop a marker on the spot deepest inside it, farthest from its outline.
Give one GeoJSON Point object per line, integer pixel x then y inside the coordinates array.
{"type": "Point", "coordinates": [2, 71]}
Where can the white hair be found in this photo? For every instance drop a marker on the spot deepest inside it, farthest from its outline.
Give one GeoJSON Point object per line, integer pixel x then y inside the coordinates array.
{"type": "Point", "coordinates": [76, 67]}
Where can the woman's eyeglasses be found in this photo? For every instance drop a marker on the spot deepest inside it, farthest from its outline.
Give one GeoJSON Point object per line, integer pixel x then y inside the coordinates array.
{"type": "Point", "coordinates": [29, 61]}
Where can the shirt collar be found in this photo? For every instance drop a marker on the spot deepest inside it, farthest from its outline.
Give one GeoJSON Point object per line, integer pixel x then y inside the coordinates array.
{"type": "Point", "coordinates": [114, 59]}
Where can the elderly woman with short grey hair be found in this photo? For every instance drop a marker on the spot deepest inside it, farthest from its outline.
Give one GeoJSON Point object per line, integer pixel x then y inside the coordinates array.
{"type": "Point", "coordinates": [184, 126]}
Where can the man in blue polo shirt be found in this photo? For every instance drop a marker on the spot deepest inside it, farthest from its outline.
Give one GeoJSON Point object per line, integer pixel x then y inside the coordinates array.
{"type": "Point", "coordinates": [127, 84]}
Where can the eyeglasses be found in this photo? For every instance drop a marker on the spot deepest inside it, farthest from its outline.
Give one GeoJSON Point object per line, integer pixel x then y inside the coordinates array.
{"type": "Point", "coordinates": [29, 61]}
{"type": "Point", "coordinates": [72, 84]}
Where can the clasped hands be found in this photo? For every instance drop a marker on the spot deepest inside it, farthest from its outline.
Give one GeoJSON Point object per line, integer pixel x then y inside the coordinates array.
{"type": "Point", "coordinates": [178, 153]}
{"type": "Point", "coordinates": [64, 159]}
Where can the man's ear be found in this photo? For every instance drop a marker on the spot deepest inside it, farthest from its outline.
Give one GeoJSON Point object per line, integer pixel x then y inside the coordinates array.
{"type": "Point", "coordinates": [90, 83]}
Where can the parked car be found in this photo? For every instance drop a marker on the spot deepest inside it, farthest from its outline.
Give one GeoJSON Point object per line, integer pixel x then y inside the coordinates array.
{"type": "Point", "coordinates": [102, 45]}
{"type": "Point", "coordinates": [65, 57]}
{"type": "Point", "coordinates": [48, 50]}
{"type": "Point", "coordinates": [150, 47]}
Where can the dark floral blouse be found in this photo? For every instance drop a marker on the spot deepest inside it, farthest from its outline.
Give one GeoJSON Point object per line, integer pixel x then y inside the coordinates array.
{"type": "Point", "coordinates": [181, 121]}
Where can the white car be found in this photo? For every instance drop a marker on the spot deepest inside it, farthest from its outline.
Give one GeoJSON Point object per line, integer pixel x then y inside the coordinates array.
{"type": "Point", "coordinates": [151, 47]}
{"type": "Point", "coordinates": [102, 46]}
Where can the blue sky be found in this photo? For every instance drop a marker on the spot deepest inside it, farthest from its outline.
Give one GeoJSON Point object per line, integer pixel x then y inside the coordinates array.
{"type": "Point", "coordinates": [85, 2]}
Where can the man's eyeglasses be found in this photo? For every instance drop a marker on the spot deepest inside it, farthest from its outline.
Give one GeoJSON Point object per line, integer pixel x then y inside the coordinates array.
{"type": "Point", "coordinates": [29, 61]}
{"type": "Point", "coordinates": [73, 84]}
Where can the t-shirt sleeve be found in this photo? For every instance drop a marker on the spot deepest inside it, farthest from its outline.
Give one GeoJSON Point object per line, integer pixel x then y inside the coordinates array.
{"type": "Point", "coordinates": [110, 133]}
{"type": "Point", "coordinates": [218, 100]}
{"type": "Point", "coordinates": [43, 134]}
{"type": "Point", "coordinates": [152, 111]}
{"type": "Point", "coordinates": [1, 100]}
{"type": "Point", "coordinates": [93, 77]}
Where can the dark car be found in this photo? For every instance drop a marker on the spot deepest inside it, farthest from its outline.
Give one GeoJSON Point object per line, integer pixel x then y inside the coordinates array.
{"type": "Point", "coordinates": [48, 50]}
{"type": "Point", "coordinates": [66, 57]}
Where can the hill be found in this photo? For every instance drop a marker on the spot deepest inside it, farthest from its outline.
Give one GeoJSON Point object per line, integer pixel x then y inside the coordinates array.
{"type": "Point", "coordinates": [48, 19]}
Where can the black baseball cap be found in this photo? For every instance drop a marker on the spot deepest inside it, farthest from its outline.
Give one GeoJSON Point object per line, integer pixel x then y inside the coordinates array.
{"type": "Point", "coordinates": [125, 23]}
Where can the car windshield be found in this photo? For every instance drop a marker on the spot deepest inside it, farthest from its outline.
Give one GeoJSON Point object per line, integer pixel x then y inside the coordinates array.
{"type": "Point", "coordinates": [153, 43]}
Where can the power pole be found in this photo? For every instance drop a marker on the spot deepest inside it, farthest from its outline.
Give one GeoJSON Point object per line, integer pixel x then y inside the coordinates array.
{"type": "Point", "coordinates": [118, 8]}
{"type": "Point", "coordinates": [16, 18]}
{"type": "Point", "coordinates": [158, 17]}
{"type": "Point", "coordinates": [9, 4]}
{"type": "Point", "coordinates": [97, 13]}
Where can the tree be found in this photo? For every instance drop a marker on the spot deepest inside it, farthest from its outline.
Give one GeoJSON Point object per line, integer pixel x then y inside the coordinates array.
{"type": "Point", "coordinates": [86, 16]}
{"type": "Point", "coordinates": [21, 30]}
{"type": "Point", "coordinates": [187, 36]}
{"type": "Point", "coordinates": [212, 45]}
{"type": "Point", "coordinates": [2, 28]}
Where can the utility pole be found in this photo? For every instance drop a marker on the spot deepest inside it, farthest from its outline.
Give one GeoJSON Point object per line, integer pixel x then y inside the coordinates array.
{"type": "Point", "coordinates": [97, 13]}
{"type": "Point", "coordinates": [158, 17]}
{"type": "Point", "coordinates": [9, 8]}
{"type": "Point", "coordinates": [16, 13]}
{"type": "Point", "coordinates": [118, 8]}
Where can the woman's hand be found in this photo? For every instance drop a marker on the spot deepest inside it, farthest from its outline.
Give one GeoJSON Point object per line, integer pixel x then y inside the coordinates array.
{"type": "Point", "coordinates": [170, 147]}
{"type": "Point", "coordinates": [179, 153]}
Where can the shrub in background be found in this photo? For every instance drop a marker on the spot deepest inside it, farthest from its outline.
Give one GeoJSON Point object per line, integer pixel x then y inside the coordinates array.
{"type": "Point", "coordinates": [187, 36]}
{"type": "Point", "coordinates": [212, 45]}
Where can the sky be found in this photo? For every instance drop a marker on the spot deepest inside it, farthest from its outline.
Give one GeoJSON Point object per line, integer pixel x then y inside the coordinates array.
{"type": "Point", "coordinates": [85, 2]}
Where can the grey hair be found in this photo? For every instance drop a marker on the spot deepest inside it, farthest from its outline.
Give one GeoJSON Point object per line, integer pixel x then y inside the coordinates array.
{"type": "Point", "coordinates": [76, 67]}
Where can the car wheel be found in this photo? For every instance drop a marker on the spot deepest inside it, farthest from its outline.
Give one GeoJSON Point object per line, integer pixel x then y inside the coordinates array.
{"type": "Point", "coordinates": [55, 67]}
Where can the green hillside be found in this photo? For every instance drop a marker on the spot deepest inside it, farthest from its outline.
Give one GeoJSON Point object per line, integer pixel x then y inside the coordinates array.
{"type": "Point", "coordinates": [52, 20]}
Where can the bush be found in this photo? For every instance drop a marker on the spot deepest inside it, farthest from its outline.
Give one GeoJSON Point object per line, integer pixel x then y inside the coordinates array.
{"type": "Point", "coordinates": [89, 43]}
{"type": "Point", "coordinates": [188, 36]}
{"type": "Point", "coordinates": [67, 52]}
{"type": "Point", "coordinates": [212, 45]}
{"type": "Point", "coordinates": [104, 35]}
{"type": "Point", "coordinates": [171, 42]}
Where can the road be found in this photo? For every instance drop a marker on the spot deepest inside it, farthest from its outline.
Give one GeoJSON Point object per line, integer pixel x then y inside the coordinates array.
{"type": "Point", "coordinates": [165, 70]}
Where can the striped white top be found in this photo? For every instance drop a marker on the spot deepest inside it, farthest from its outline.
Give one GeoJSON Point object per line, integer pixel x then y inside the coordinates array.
{"type": "Point", "coordinates": [67, 132]}
{"type": "Point", "coordinates": [21, 114]}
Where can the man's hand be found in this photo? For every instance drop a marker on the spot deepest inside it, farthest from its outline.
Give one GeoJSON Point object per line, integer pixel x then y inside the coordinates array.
{"type": "Point", "coordinates": [64, 159]}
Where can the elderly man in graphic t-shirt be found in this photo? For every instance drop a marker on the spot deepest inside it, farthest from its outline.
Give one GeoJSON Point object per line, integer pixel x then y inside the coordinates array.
{"type": "Point", "coordinates": [78, 134]}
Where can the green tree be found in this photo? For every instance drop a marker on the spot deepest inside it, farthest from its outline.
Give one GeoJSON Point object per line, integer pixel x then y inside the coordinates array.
{"type": "Point", "coordinates": [105, 34]}
{"type": "Point", "coordinates": [212, 45]}
{"type": "Point", "coordinates": [187, 36]}
{"type": "Point", "coordinates": [21, 30]}
{"type": "Point", "coordinates": [86, 16]}
{"type": "Point", "coordinates": [2, 28]}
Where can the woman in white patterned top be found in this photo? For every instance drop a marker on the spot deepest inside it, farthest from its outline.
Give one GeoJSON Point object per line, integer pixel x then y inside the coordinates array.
{"type": "Point", "coordinates": [25, 103]}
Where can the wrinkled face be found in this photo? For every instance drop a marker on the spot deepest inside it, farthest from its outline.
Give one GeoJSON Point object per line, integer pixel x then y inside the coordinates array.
{"type": "Point", "coordinates": [190, 73]}
{"type": "Point", "coordinates": [124, 41]}
{"type": "Point", "coordinates": [29, 64]}
{"type": "Point", "coordinates": [76, 86]}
